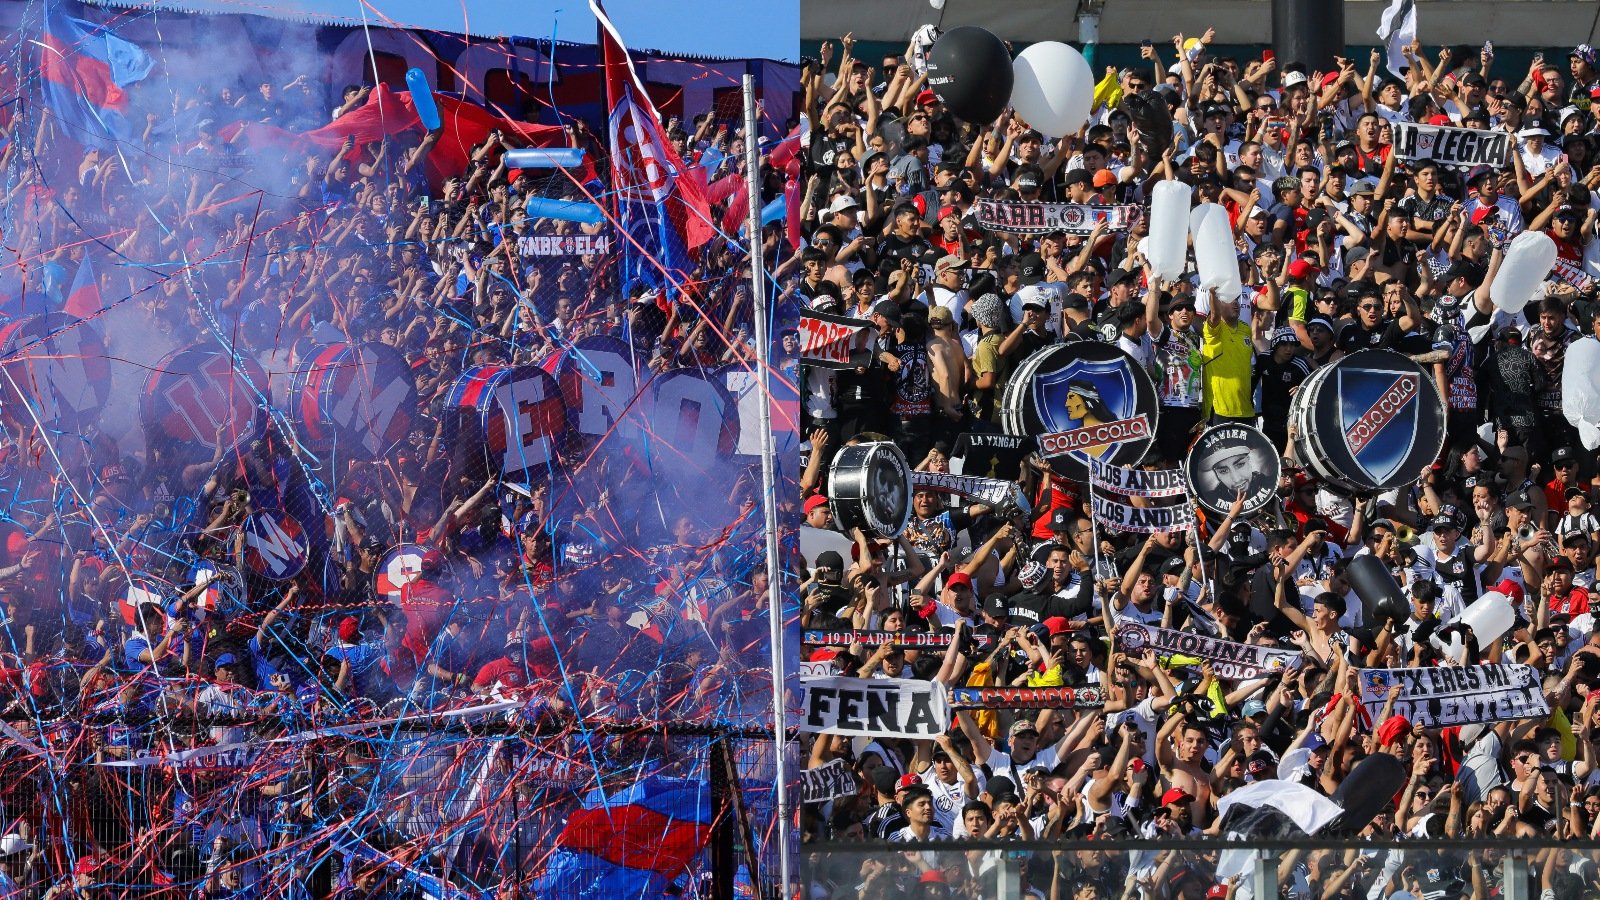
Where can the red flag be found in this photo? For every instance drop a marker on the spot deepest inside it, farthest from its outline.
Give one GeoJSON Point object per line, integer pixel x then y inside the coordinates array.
{"type": "Point", "coordinates": [83, 300]}
{"type": "Point", "coordinates": [645, 170]}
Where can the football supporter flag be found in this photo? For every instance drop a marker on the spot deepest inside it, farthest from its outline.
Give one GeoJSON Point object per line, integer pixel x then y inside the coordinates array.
{"type": "Point", "coordinates": [630, 844]}
{"type": "Point", "coordinates": [1397, 29]}
{"type": "Point", "coordinates": [662, 209]}
{"type": "Point", "coordinates": [83, 299]}
{"type": "Point", "coordinates": [85, 69]}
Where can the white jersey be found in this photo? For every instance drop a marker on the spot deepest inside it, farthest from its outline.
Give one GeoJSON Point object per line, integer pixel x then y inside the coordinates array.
{"type": "Point", "coordinates": [947, 799]}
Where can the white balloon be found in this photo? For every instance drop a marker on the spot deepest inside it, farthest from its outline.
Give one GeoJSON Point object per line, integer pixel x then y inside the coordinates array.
{"type": "Point", "coordinates": [1214, 255]}
{"type": "Point", "coordinates": [1169, 229]}
{"type": "Point", "coordinates": [1580, 389]}
{"type": "Point", "coordinates": [1053, 88]}
{"type": "Point", "coordinates": [1526, 265]}
{"type": "Point", "coordinates": [936, 4]}
{"type": "Point", "coordinates": [1489, 616]}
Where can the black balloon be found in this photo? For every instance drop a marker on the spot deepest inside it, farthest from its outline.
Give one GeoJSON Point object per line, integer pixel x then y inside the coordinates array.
{"type": "Point", "coordinates": [1381, 596]}
{"type": "Point", "coordinates": [1369, 787]}
{"type": "Point", "coordinates": [970, 70]}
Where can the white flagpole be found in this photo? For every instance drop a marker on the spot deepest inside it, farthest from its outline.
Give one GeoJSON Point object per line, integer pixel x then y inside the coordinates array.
{"type": "Point", "coordinates": [769, 505]}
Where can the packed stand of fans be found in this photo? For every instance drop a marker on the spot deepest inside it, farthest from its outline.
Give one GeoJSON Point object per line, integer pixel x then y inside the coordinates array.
{"type": "Point", "coordinates": [1341, 248]}
{"type": "Point", "coordinates": [544, 595]}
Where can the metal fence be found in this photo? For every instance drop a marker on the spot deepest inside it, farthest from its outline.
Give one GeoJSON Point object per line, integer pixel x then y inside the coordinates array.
{"type": "Point", "coordinates": [1199, 868]}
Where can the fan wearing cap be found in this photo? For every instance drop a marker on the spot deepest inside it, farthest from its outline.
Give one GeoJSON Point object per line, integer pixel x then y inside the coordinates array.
{"type": "Point", "coordinates": [818, 513]}
{"type": "Point", "coordinates": [225, 698]}
{"type": "Point", "coordinates": [1175, 336]}
{"type": "Point", "coordinates": [990, 366]}
{"type": "Point", "coordinates": [1562, 596]}
{"type": "Point", "coordinates": [1449, 560]}
{"type": "Point", "coordinates": [1537, 153]}
{"type": "Point", "coordinates": [948, 289]}
{"type": "Point", "coordinates": [1486, 200]}
{"type": "Point", "coordinates": [363, 656]}
{"type": "Point", "coordinates": [1024, 751]}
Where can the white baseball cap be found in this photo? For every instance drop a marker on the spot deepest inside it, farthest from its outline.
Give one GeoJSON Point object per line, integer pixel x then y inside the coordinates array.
{"type": "Point", "coordinates": [1294, 78]}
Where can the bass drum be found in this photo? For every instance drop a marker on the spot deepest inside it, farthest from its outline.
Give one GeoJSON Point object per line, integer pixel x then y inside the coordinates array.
{"type": "Point", "coordinates": [1369, 422]}
{"type": "Point", "coordinates": [869, 487]}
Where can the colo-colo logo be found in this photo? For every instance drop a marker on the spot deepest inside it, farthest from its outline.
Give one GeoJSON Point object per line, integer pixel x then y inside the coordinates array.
{"type": "Point", "coordinates": [1382, 412]}
{"type": "Point", "coordinates": [1062, 442]}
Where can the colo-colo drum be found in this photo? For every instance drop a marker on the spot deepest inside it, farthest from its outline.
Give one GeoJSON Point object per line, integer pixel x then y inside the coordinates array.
{"type": "Point", "coordinates": [869, 487]}
{"type": "Point", "coordinates": [1084, 401]}
{"type": "Point", "coordinates": [1368, 422]}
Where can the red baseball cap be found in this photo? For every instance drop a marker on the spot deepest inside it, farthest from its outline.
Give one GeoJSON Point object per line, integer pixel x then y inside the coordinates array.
{"type": "Point", "coordinates": [1512, 590]}
{"type": "Point", "coordinates": [957, 579]}
{"type": "Point", "coordinates": [907, 780]}
{"type": "Point", "coordinates": [933, 876]}
{"type": "Point", "coordinates": [349, 629]}
{"type": "Point", "coordinates": [814, 501]}
{"type": "Point", "coordinates": [823, 654]}
{"type": "Point", "coordinates": [1175, 795]}
{"type": "Point", "coordinates": [1301, 269]}
{"type": "Point", "coordinates": [927, 97]}
{"type": "Point", "coordinates": [1057, 625]}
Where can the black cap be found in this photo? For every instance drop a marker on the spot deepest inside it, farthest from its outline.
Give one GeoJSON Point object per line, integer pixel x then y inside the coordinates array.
{"type": "Point", "coordinates": [1031, 266]}
{"type": "Point", "coordinates": [1029, 178]}
{"type": "Point", "coordinates": [1563, 455]}
{"type": "Point", "coordinates": [1076, 176]}
{"type": "Point", "coordinates": [996, 607]}
{"type": "Point", "coordinates": [1076, 301]}
{"type": "Point", "coordinates": [884, 778]}
{"type": "Point", "coordinates": [1117, 276]}
{"type": "Point", "coordinates": [889, 310]}
{"type": "Point", "coordinates": [1465, 268]}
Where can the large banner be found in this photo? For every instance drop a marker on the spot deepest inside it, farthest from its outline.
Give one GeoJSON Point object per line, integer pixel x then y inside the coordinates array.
{"type": "Point", "coordinates": [879, 638]}
{"type": "Point", "coordinates": [1142, 519]}
{"type": "Point", "coordinates": [1128, 482]}
{"type": "Point", "coordinates": [1022, 217]}
{"type": "Point", "coordinates": [874, 707]}
{"type": "Point", "coordinates": [1231, 660]}
{"type": "Point", "coordinates": [827, 782]}
{"type": "Point", "coordinates": [1461, 148]}
{"type": "Point", "coordinates": [827, 340]}
{"type": "Point", "coordinates": [1027, 697]}
{"type": "Point", "coordinates": [1004, 496]}
{"type": "Point", "coordinates": [564, 244]}
{"type": "Point", "coordinates": [1436, 697]}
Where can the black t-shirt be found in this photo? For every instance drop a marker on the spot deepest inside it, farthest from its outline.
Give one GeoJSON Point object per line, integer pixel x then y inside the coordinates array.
{"type": "Point", "coordinates": [825, 148]}
{"type": "Point", "coordinates": [1277, 381]}
{"type": "Point", "coordinates": [1434, 210]}
{"type": "Point", "coordinates": [1355, 336]}
{"type": "Point", "coordinates": [896, 247]}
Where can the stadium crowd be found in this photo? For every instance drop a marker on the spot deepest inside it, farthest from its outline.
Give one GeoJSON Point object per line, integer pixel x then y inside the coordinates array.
{"type": "Point", "coordinates": [172, 735]}
{"type": "Point", "coordinates": [1342, 246]}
